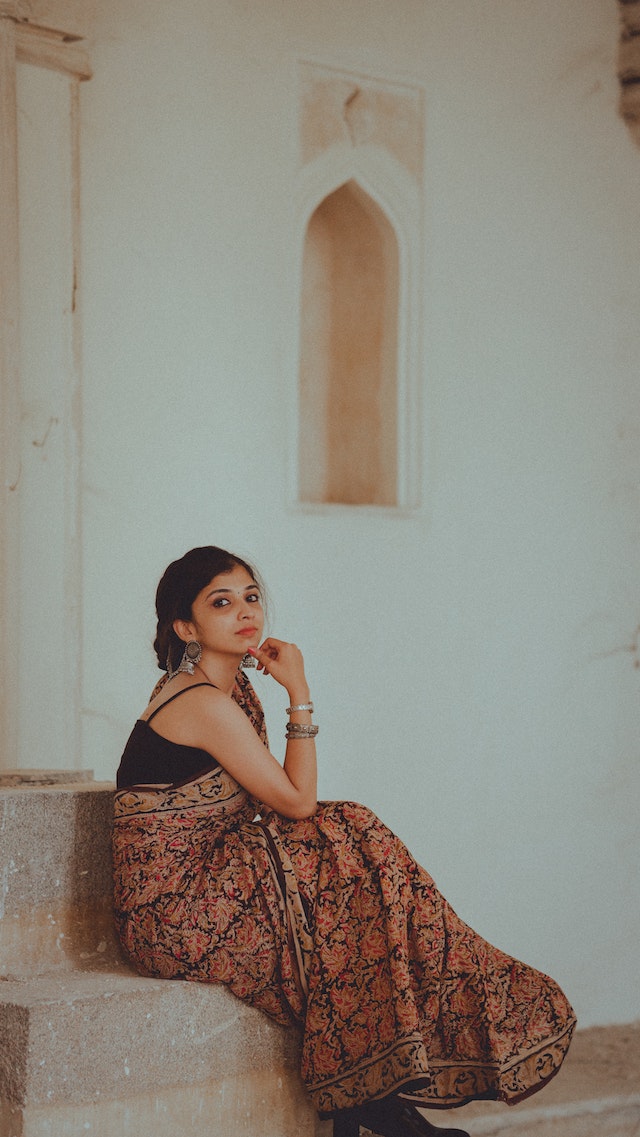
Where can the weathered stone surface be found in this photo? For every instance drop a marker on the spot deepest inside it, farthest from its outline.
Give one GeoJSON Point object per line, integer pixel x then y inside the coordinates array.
{"type": "Point", "coordinates": [119, 1054]}
{"type": "Point", "coordinates": [264, 1105]}
{"type": "Point", "coordinates": [92, 1037]}
{"type": "Point", "coordinates": [55, 879]}
{"type": "Point", "coordinates": [36, 777]}
{"type": "Point", "coordinates": [56, 841]}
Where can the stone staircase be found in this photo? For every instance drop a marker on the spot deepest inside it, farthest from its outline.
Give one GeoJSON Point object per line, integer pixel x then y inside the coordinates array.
{"type": "Point", "coordinates": [87, 1047]}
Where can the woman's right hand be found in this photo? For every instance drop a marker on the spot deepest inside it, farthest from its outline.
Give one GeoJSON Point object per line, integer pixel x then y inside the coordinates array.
{"type": "Point", "coordinates": [284, 662]}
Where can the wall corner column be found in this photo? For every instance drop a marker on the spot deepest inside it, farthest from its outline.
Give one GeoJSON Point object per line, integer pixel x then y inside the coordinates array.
{"type": "Point", "coordinates": [32, 33]}
{"type": "Point", "coordinates": [9, 371]}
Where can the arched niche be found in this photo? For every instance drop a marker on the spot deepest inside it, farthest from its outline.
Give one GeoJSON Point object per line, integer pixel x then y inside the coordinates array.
{"type": "Point", "coordinates": [348, 371]}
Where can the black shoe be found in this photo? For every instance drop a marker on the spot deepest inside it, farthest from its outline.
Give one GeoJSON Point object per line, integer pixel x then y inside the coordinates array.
{"type": "Point", "coordinates": [393, 1117]}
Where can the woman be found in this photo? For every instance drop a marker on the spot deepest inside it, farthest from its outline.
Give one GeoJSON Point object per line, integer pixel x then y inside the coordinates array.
{"type": "Point", "coordinates": [227, 869]}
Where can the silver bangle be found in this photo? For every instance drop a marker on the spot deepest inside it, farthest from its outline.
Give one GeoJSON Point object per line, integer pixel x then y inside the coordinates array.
{"type": "Point", "coordinates": [300, 707]}
{"type": "Point", "coordinates": [300, 730]}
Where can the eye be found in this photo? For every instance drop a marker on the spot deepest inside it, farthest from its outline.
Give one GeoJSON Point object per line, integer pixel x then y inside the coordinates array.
{"type": "Point", "coordinates": [220, 602]}
{"type": "Point", "coordinates": [253, 598]}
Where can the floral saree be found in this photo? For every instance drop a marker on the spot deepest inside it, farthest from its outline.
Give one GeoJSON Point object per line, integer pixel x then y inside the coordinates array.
{"type": "Point", "coordinates": [330, 924]}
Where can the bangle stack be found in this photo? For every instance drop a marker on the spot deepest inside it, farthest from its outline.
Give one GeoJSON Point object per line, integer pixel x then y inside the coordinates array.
{"type": "Point", "coordinates": [300, 729]}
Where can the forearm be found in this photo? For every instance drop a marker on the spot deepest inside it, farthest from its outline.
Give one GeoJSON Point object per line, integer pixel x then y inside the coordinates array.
{"type": "Point", "coordinates": [300, 762]}
{"type": "Point", "coordinates": [285, 663]}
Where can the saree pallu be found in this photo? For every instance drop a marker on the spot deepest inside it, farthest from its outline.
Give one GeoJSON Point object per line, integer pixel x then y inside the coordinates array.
{"type": "Point", "coordinates": [330, 924]}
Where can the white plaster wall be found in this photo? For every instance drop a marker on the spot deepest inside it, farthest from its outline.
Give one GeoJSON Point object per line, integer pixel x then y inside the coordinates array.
{"type": "Point", "coordinates": [472, 665]}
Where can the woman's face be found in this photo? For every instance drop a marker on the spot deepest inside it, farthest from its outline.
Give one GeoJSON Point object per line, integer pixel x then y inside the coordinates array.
{"type": "Point", "coordinates": [227, 616]}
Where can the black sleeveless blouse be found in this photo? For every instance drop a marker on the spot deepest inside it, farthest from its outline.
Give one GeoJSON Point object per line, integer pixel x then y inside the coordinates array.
{"type": "Point", "coordinates": [149, 759]}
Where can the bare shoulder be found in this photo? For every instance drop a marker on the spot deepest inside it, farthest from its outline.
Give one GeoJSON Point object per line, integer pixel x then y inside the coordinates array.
{"type": "Point", "coordinates": [210, 718]}
{"type": "Point", "coordinates": [184, 699]}
{"type": "Point", "coordinates": [217, 707]}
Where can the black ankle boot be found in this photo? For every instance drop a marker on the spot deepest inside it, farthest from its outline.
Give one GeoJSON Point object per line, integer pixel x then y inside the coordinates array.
{"type": "Point", "coordinates": [393, 1117]}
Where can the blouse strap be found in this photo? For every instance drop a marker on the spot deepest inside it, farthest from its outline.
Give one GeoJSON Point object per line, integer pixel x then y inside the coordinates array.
{"type": "Point", "coordinates": [177, 696]}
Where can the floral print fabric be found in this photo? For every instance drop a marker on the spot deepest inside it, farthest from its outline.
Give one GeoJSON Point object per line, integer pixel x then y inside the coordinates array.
{"type": "Point", "coordinates": [329, 923]}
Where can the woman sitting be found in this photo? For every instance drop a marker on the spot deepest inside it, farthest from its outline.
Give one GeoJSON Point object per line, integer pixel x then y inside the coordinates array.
{"type": "Point", "coordinates": [228, 870]}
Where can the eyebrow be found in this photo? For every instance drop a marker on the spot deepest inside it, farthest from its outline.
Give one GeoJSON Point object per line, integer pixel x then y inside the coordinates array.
{"type": "Point", "coordinates": [247, 588]}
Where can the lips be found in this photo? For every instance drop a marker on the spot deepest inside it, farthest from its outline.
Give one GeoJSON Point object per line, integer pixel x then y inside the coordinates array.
{"type": "Point", "coordinates": [247, 632]}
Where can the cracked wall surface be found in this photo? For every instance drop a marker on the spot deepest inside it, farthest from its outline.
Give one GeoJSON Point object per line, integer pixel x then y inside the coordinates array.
{"type": "Point", "coordinates": [338, 106]}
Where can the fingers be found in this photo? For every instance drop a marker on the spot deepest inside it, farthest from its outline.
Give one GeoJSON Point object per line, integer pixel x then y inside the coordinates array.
{"type": "Point", "coordinates": [276, 652]}
{"type": "Point", "coordinates": [259, 655]}
{"type": "Point", "coordinates": [275, 649]}
{"type": "Point", "coordinates": [267, 653]}
{"type": "Point", "coordinates": [271, 648]}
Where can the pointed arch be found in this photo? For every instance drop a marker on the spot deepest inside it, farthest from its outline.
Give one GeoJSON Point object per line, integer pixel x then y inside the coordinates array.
{"type": "Point", "coordinates": [369, 185]}
{"type": "Point", "coordinates": [348, 373]}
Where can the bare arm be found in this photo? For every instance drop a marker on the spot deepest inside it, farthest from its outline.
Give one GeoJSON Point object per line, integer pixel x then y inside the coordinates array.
{"type": "Point", "coordinates": [216, 724]}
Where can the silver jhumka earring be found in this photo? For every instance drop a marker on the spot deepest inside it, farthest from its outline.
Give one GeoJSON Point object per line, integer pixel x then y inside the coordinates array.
{"type": "Point", "coordinates": [192, 654]}
{"type": "Point", "coordinates": [248, 661]}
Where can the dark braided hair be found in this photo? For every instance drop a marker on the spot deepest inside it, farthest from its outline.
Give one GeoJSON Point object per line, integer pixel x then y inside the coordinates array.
{"type": "Point", "coordinates": [177, 590]}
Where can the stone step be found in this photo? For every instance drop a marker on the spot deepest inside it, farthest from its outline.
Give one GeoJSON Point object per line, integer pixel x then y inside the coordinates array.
{"type": "Point", "coordinates": [86, 1045]}
{"type": "Point", "coordinates": [118, 1055]}
{"type": "Point", "coordinates": [55, 877]}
